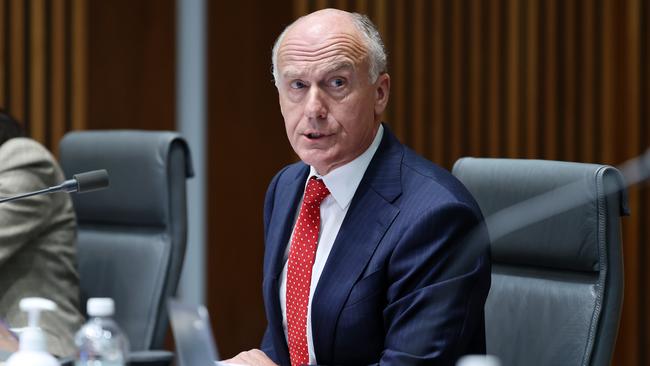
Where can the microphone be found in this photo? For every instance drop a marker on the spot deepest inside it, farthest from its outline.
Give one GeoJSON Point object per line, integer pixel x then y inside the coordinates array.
{"type": "Point", "coordinates": [80, 183]}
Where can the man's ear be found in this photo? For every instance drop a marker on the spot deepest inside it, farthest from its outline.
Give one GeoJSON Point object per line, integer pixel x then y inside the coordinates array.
{"type": "Point", "coordinates": [382, 91]}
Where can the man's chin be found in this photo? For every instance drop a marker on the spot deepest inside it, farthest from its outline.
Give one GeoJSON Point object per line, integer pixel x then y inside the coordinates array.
{"type": "Point", "coordinates": [318, 159]}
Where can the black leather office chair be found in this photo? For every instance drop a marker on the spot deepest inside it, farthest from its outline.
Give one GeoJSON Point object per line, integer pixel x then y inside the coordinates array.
{"type": "Point", "coordinates": [132, 236]}
{"type": "Point", "coordinates": [557, 282]}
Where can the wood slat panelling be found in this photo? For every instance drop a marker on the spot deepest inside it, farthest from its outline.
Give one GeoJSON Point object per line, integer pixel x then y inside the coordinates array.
{"type": "Point", "coordinates": [552, 79]}
{"type": "Point", "coordinates": [550, 85]}
{"type": "Point", "coordinates": [586, 88]}
{"type": "Point", "coordinates": [247, 146]}
{"type": "Point", "coordinates": [437, 119]}
{"type": "Point", "coordinates": [513, 92]}
{"type": "Point", "coordinates": [455, 67]}
{"type": "Point", "coordinates": [37, 78]}
{"type": "Point", "coordinates": [418, 101]}
{"type": "Point", "coordinates": [130, 64]}
{"type": "Point", "coordinates": [475, 84]}
{"type": "Point", "coordinates": [570, 72]}
{"type": "Point", "coordinates": [379, 15]}
{"type": "Point", "coordinates": [16, 55]}
{"type": "Point", "coordinates": [494, 78]}
{"type": "Point", "coordinates": [57, 87]}
{"type": "Point", "coordinates": [41, 66]}
{"type": "Point", "coordinates": [532, 78]}
{"type": "Point", "coordinates": [78, 92]}
{"type": "Point", "coordinates": [608, 77]}
{"type": "Point", "coordinates": [628, 112]}
{"type": "Point", "coordinates": [398, 42]}
{"type": "Point", "coordinates": [4, 33]}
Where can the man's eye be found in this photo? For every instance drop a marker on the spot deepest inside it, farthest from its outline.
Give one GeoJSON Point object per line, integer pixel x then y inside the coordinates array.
{"type": "Point", "coordinates": [297, 84]}
{"type": "Point", "coordinates": [337, 82]}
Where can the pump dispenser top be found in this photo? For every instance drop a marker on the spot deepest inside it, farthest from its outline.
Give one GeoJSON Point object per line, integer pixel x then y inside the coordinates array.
{"type": "Point", "coordinates": [33, 348]}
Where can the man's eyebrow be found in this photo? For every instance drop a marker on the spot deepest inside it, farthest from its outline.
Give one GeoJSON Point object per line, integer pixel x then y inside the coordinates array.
{"type": "Point", "coordinates": [338, 66]}
{"type": "Point", "coordinates": [291, 74]}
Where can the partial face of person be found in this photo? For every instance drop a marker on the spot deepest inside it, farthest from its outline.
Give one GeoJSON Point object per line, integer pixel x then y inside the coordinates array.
{"type": "Point", "coordinates": [330, 107]}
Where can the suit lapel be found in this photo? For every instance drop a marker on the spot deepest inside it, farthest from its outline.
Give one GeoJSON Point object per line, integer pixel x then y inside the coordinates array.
{"type": "Point", "coordinates": [288, 195]}
{"type": "Point", "coordinates": [371, 213]}
{"type": "Point", "coordinates": [285, 206]}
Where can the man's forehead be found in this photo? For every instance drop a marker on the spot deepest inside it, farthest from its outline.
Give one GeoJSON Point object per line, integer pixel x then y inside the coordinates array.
{"type": "Point", "coordinates": [297, 70]}
{"type": "Point", "coordinates": [332, 51]}
{"type": "Point", "coordinates": [322, 42]}
{"type": "Point", "coordinates": [322, 32]}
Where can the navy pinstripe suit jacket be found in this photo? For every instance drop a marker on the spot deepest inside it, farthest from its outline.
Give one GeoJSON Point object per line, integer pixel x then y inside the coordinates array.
{"type": "Point", "coordinates": [399, 287]}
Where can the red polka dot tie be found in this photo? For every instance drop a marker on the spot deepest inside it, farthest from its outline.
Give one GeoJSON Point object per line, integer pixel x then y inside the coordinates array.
{"type": "Point", "coordinates": [301, 260]}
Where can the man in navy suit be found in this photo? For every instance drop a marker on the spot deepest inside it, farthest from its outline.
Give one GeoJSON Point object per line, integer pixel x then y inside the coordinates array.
{"type": "Point", "coordinates": [390, 278]}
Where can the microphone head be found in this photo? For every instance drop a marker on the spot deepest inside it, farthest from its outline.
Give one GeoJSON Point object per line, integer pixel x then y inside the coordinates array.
{"type": "Point", "coordinates": [91, 181]}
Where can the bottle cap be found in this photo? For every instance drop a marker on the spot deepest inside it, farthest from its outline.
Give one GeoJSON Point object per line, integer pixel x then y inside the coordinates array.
{"type": "Point", "coordinates": [478, 360]}
{"type": "Point", "coordinates": [100, 306]}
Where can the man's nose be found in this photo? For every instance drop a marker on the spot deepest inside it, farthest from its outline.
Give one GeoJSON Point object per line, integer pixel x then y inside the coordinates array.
{"type": "Point", "coordinates": [316, 107]}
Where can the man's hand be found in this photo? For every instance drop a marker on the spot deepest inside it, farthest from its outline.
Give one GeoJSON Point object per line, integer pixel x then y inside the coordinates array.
{"type": "Point", "coordinates": [8, 341]}
{"type": "Point", "coordinates": [253, 357]}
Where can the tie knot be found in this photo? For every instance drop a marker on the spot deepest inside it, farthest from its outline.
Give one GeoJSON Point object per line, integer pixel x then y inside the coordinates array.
{"type": "Point", "coordinates": [316, 191]}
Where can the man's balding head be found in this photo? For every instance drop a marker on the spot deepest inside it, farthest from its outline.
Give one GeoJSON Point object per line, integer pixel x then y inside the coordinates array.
{"type": "Point", "coordinates": [334, 19]}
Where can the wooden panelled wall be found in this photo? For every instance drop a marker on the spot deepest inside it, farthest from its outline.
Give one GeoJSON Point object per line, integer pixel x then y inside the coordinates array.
{"type": "Point", "coordinates": [246, 146]}
{"type": "Point", "coordinates": [42, 66]}
{"type": "Point", "coordinates": [76, 64]}
{"type": "Point", "coordinates": [131, 61]}
{"type": "Point", "coordinates": [550, 79]}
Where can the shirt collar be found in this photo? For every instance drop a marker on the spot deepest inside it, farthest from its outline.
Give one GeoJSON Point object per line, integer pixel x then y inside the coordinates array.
{"type": "Point", "coordinates": [343, 181]}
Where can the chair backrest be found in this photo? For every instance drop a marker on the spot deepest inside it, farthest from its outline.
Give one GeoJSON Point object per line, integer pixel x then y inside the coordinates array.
{"type": "Point", "coordinates": [557, 283]}
{"type": "Point", "coordinates": [131, 236]}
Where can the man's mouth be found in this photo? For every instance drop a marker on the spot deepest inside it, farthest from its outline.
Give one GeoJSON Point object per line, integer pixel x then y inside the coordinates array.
{"type": "Point", "coordinates": [315, 135]}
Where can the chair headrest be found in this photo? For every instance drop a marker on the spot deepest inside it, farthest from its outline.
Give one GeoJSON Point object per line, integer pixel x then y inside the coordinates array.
{"type": "Point", "coordinates": [138, 168]}
{"type": "Point", "coordinates": [555, 210]}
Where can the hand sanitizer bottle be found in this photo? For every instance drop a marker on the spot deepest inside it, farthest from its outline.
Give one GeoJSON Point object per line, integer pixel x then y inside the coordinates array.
{"type": "Point", "coordinates": [32, 350]}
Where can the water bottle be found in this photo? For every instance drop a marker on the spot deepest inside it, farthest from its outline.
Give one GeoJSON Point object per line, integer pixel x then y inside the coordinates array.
{"type": "Point", "coordinates": [100, 342]}
{"type": "Point", "coordinates": [479, 360]}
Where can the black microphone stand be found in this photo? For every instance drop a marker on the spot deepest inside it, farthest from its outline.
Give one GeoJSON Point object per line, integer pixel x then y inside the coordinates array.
{"type": "Point", "coordinates": [82, 182]}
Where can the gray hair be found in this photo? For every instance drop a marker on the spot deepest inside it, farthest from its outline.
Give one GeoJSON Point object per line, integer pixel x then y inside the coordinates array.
{"type": "Point", "coordinates": [374, 45]}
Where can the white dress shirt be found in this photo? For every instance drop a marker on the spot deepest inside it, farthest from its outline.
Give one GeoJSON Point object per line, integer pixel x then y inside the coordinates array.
{"type": "Point", "coordinates": [342, 183]}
